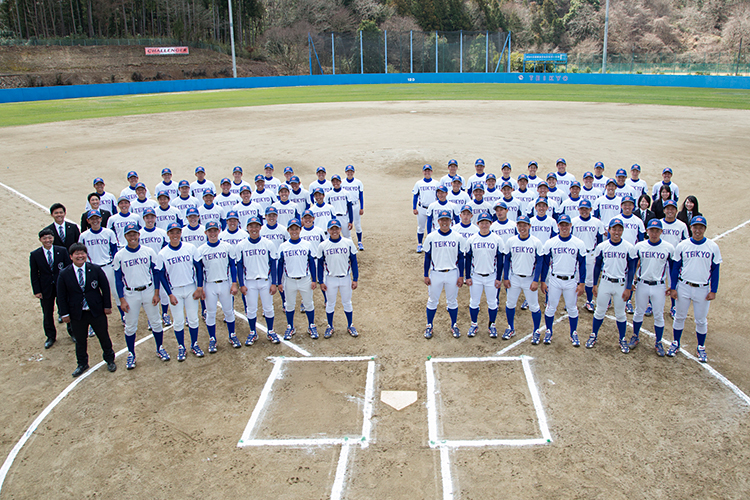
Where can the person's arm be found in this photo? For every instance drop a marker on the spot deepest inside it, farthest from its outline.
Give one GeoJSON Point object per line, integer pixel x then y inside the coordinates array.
{"type": "Point", "coordinates": [427, 261]}
{"type": "Point", "coordinates": [241, 270]}
{"type": "Point", "coordinates": [598, 268]}
{"type": "Point", "coordinates": [361, 199]}
{"type": "Point", "coordinates": [414, 201]}
{"type": "Point", "coordinates": [119, 284]}
{"type": "Point", "coordinates": [36, 285]}
{"type": "Point", "coordinates": [429, 223]}
{"type": "Point", "coordinates": [460, 264]}
{"type": "Point", "coordinates": [62, 298]}
{"type": "Point", "coordinates": [581, 269]}
{"type": "Point", "coordinates": [233, 270]}
{"type": "Point", "coordinates": [280, 269]}
{"type": "Point", "coordinates": [467, 263]}
{"type": "Point", "coordinates": [714, 277]}
{"type": "Point", "coordinates": [500, 265]}
{"type": "Point", "coordinates": [675, 273]}
{"type": "Point", "coordinates": [105, 289]}
{"type": "Point", "coordinates": [545, 267]}
{"type": "Point", "coordinates": [632, 263]}
{"type": "Point", "coordinates": [311, 266]}
{"type": "Point", "coordinates": [321, 267]}
{"type": "Point", "coordinates": [506, 266]}
{"type": "Point", "coordinates": [272, 263]}
{"type": "Point", "coordinates": [198, 272]}
{"type": "Point", "coordinates": [355, 266]}
{"type": "Point", "coordinates": [349, 211]}
{"type": "Point", "coordinates": [538, 267]}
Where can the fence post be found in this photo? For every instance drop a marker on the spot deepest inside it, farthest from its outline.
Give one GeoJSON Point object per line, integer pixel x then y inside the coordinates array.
{"type": "Point", "coordinates": [411, 51]}
{"type": "Point", "coordinates": [333, 56]}
{"type": "Point", "coordinates": [361, 57]}
{"type": "Point", "coordinates": [309, 51]}
{"type": "Point", "coordinates": [461, 51]}
{"type": "Point", "coordinates": [385, 39]}
{"type": "Point", "coordinates": [486, 51]}
{"type": "Point", "coordinates": [436, 51]}
{"type": "Point", "coordinates": [509, 52]}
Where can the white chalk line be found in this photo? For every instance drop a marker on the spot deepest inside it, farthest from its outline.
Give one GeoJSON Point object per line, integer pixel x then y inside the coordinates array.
{"type": "Point", "coordinates": [524, 339]}
{"type": "Point", "coordinates": [725, 233]}
{"type": "Point", "coordinates": [445, 472]}
{"type": "Point", "coordinates": [536, 398]}
{"type": "Point", "coordinates": [338, 483]}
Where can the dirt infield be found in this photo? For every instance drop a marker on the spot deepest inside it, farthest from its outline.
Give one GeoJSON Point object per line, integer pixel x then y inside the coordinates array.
{"type": "Point", "coordinates": [623, 426]}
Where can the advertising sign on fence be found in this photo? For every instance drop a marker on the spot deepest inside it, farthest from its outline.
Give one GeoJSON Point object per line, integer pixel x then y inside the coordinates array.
{"type": "Point", "coordinates": [166, 51]}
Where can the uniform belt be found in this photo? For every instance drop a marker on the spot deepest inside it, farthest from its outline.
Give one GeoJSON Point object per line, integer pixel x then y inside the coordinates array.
{"type": "Point", "coordinates": [293, 278]}
{"type": "Point", "coordinates": [695, 285]}
{"type": "Point", "coordinates": [522, 275]}
{"type": "Point", "coordinates": [443, 270]}
{"type": "Point", "coordinates": [107, 264]}
{"type": "Point", "coordinates": [342, 276]}
{"type": "Point", "coordinates": [138, 288]}
{"type": "Point", "coordinates": [423, 206]}
{"type": "Point", "coordinates": [220, 281]}
{"type": "Point", "coordinates": [651, 283]}
{"type": "Point", "coordinates": [564, 278]}
{"type": "Point", "coordinates": [614, 280]}
{"type": "Point", "coordinates": [339, 215]}
{"type": "Point", "coordinates": [483, 275]}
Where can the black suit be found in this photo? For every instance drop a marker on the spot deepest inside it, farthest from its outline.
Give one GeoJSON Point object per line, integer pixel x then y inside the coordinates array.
{"type": "Point", "coordinates": [649, 215]}
{"type": "Point", "coordinates": [44, 281]}
{"type": "Point", "coordinates": [71, 234]}
{"type": "Point", "coordinates": [70, 299]}
{"type": "Point", "coordinates": [85, 222]}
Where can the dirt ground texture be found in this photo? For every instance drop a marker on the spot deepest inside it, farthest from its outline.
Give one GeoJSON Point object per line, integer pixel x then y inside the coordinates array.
{"type": "Point", "coordinates": [79, 65]}
{"type": "Point", "coordinates": [623, 426]}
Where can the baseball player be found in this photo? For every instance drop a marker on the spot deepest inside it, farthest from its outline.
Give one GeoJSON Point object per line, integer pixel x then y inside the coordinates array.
{"type": "Point", "coordinates": [555, 194]}
{"type": "Point", "coordinates": [552, 209]}
{"type": "Point", "coordinates": [129, 192]}
{"type": "Point", "coordinates": [634, 230]}
{"type": "Point", "coordinates": [166, 213]}
{"type": "Point", "coordinates": [180, 280]}
{"type": "Point", "coordinates": [571, 205]}
{"type": "Point", "coordinates": [101, 246]}
{"type": "Point", "coordinates": [588, 191]}
{"type": "Point", "coordinates": [201, 184]}
{"type": "Point", "coordinates": [342, 203]}
{"type": "Point", "coordinates": [185, 200]}
{"type": "Point", "coordinates": [607, 207]}
{"type": "Point", "coordinates": [696, 273]}
{"type": "Point", "coordinates": [137, 279]}
{"type": "Point", "coordinates": [121, 219]}
{"type": "Point", "coordinates": [193, 233]}
{"type": "Point", "coordinates": [484, 270]}
{"type": "Point", "coordinates": [666, 176]}
{"type": "Point", "coordinates": [167, 185]}
{"type": "Point", "coordinates": [233, 234]}
{"type": "Point", "coordinates": [444, 269]}
{"type": "Point", "coordinates": [338, 273]}
{"type": "Point", "coordinates": [296, 273]}
{"type": "Point", "coordinates": [257, 259]}
{"type": "Point", "coordinates": [210, 211]}
{"type": "Point", "coordinates": [565, 258]}
{"type": "Point", "coordinates": [215, 259]}
{"type": "Point", "coordinates": [522, 268]}
{"type": "Point", "coordinates": [298, 195]}
{"type": "Point", "coordinates": [506, 169]}
{"type": "Point", "coordinates": [524, 194]}
{"type": "Point", "coordinates": [272, 230]}
{"type": "Point", "coordinates": [237, 182]}
{"type": "Point", "coordinates": [322, 211]}
{"type": "Point", "coordinates": [456, 195]}
{"type": "Point", "coordinates": [288, 173]}
{"type": "Point", "coordinates": [493, 192]}
{"type": "Point", "coordinates": [262, 196]}
{"type": "Point", "coordinates": [621, 185]}
{"type": "Point", "coordinates": [532, 178]}
{"type": "Point", "coordinates": [447, 180]}
{"type": "Point", "coordinates": [543, 226]}
{"type": "Point", "coordinates": [636, 184]}
{"type": "Point", "coordinates": [591, 231]}
{"type": "Point", "coordinates": [466, 229]}
{"type": "Point", "coordinates": [226, 200]}
{"type": "Point", "coordinates": [655, 256]}
{"type": "Point", "coordinates": [141, 203]}
{"type": "Point", "coordinates": [477, 204]}
{"type": "Point", "coordinates": [285, 209]}
{"type": "Point", "coordinates": [514, 206]}
{"type": "Point", "coordinates": [438, 206]}
{"type": "Point", "coordinates": [271, 182]}
{"type": "Point", "coordinates": [93, 201]}
{"type": "Point", "coordinates": [503, 226]}
{"type": "Point", "coordinates": [564, 178]}
{"type": "Point", "coordinates": [156, 239]}
{"type": "Point", "coordinates": [673, 231]}
{"type": "Point", "coordinates": [321, 182]}
{"type": "Point", "coordinates": [423, 195]}
{"type": "Point", "coordinates": [480, 177]}
{"type": "Point", "coordinates": [107, 201]}
{"type": "Point", "coordinates": [247, 207]}
{"type": "Point", "coordinates": [600, 181]}
{"type": "Point", "coordinates": [615, 260]}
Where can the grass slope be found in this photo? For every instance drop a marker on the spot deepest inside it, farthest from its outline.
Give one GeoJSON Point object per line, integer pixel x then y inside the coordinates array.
{"type": "Point", "coordinates": [13, 114]}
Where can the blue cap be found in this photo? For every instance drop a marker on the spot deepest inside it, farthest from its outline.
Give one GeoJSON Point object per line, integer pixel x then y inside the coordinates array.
{"type": "Point", "coordinates": [93, 213]}
{"type": "Point", "coordinates": [294, 222]}
{"type": "Point", "coordinates": [320, 169]}
{"type": "Point", "coordinates": [621, 172]}
{"type": "Point", "coordinates": [466, 208]}
{"type": "Point", "coordinates": [212, 225]}
{"type": "Point", "coordinates": [561, 160]}
{"type": "Point", "coordinates": [130, 227]}
{"type": "Point", "coordinates": [575, 184]}
{"type": "Point", "coordinates": [283, 185]}
{"type": "Point", "coordinates": [506, 184]}
{"type": "Point", "coordinates": [183, 183]}
{"type": "Point", "coordinates": [543, 183]}
{"type": "Point", "coordinates": [491, 176]}
{"type": "Point", "coordinates": [132, 173]}
{"type": "Point", "coordinates": [616, 222]}
{"type": "Point", "coordinates": [442, 188]}
{"type": "Point", "coordinates": [165, 171]}
{"type": "Point", "coordinates": [271, 210]}
{"type": "Point", "coordinates": [598, 165]}
{"type": "Point", "coordinates": [233, 215]}
{"type": "Point", "coordinates": [318, 190]}
{"type": "Point", "coordinates": [532, 162]}
{"type": "Point", "coordinates": [294, 179]}
{"type": "Point", "coordinates": [506, 164]}
{"type": "Point", "coordinates": [670, 203]}
{"type": "Point", "coordinates": [635, 167]}
{"type": "Point", "coordinates": [666, 170]}
{"type": "Point", "coordinates": [479, 162]}
{"type": "Point", "coordinates": [484, 216]}
{"type": "Point", "coordinates": [208, 192]}
{"type": "Point", "coordinates": [477, 185]}
{"type": "Point", "coordinates": [140, 185]}
{"type": "Point", "coordinates": [174, 225]}
{"type": "Point", "coordinates": [225, 180]}
{"type": "Point", "coordinates": [98, 180]}
{"type": "Point", "coordinates": [523, 176]}
{"type": "Point", "coordinates": [541, 200]}
{"type": "Point", "coordinates": [237, 169]}
{"type": "Point", "coordinates": [200, 169]}
{"type": "Point", "coordinates": [588, 174]}
{"type": "Point", "coordinates": [563, 218]}
{"type": "Point", "coordinates": [452, 162]}
{"type": "Point", "coordinates": [148, 211]}
{"type": "Point", "coordinates": [551, 174]}
{"type": "Point", "coordinates": [260, 177]}
{"type": "Point", "coordinates": [654, 223]}
{"type": "Point", "coordinates": [611, 181]}
{"type": "Point", "coordinates": [123, 198]}
{"type": "Point", "coordinates": [288, 170]}
{"type": "Point", "coordinates": [523, 218]}
{"type": "Point", "coordinates": [246, 188]}
{"type": "Point", "coordinates": [334, 223]}
{"type": "Point", "coordinates": [268, 165]}
{"type": "Point", "coordinates": [445, 214]}
{"type": "Point", "coordinates": [308, 212]}
{"type": "Point", "coordinates": [162, 193]}
{"type": "Point", "coordinates": [335, 177]}
{"type": "Point", "coordinates": [349, 168]}
{"type": "Point", "coordinates": [192, 211]}
{"type": "Point", "coordinates": [254, 220]}
{"type": "Point", "coordinates": [698, 219]}
{"type": "Point", "coordinates": [501, 204]}
{"type": "Point", "coordinates": [584, 204]}
{"type": "Point", "coordinates": [427, 167]}
{"type": "Point", "coordinates": [626, 199]}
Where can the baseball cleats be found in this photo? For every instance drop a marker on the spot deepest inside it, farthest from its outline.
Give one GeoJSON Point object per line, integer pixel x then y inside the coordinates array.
{"type": "Point", "coordinates": [312, 330]}
{"type": "Point", "coordinates": [624, 347]}
{"type": "Point", "coordinates": [455, 331]}
{"type": "Point", "coordinates": [302, 308]}
{"type": "Point", "coordinates": [649, 311]}
{"type": "Point", "coordinates": [671, 312]}
{"type": "Point", "coordinates": [289, 332]}
{"type": "Point", "coordinates": [235, 341]}
{"type": "Point", "coordinates": [91, 332]}
{"type": "Point", "coordinates": [419, 248]}
{"type": "Point", "coordinates": [166, 319]}
{"type": "Point", "coordinates": [629, 307]}
{"type": "Point", "coordinates": [148, 325]}
{"type": "Point", "coordinates": [181, 353]}
{"type": "Point", "coordinates": [360, 247]}
{"type": "Point", "coordinates": [203, 315]}
{"type": "Point", "coordinates": [700, 352]}
{"type": "Point", "coordinates": [525, 305]}
{"type": "Point", "coordinates": [659, 349]}
{"type": "Point", "coordinates": [130, 363]}
{"type": "Point", "coordinates": [535, 337]}
{"type": "Point", "coordinates": [633, 342]}
{"type": "Point", "coordinates": [352, 331]}
{"type": "Point", "coordinates": [574, 339]}
{"type": "Point", "coordinates": [198, 351]}
{"type": "Point", "coordinates": [161, 353]}
{"type": "Point", "coordinates": [329, 332]}
{"type": "Point", "coordinates": [548, 337]}
{"type": "Point", "coordinates": [492, 331]}
{"type": "Point", "coordinates": [472, 330]}
{"type": "Point", "coordinates": [211, 345]}
{"type": "Point", "coordinates": [590, 306]}
{"type": "Point", "coordinates": [272, 337]}
{"type": "Point", "coordinates": [251, 338]}
{"type": "Point", "coordinates": [672, 351]}
{"type": "Point", "coordinates": [591, 342]}
{"type": "Point", "coordinates": [428, 332]}
{"type": "Point", "coordinates": [509, 333]}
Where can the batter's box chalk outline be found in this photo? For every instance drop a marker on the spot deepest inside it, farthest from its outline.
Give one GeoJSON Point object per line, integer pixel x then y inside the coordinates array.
{"type": "Point", "coordinates": [346, 442]}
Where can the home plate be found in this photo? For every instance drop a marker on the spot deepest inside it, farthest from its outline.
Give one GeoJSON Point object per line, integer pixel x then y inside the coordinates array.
{"type": "Point", "coordinates": [398, 399]}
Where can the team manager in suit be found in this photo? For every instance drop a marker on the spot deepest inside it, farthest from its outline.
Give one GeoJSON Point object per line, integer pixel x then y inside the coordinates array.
{"type": "Point", "coordinates": [66, 233]}
{"type": "Point", "coordinates": [45, 264]}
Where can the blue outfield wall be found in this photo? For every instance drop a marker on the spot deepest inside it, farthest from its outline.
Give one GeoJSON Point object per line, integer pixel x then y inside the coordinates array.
{"type": "Point", "coordinates": [115, 89]}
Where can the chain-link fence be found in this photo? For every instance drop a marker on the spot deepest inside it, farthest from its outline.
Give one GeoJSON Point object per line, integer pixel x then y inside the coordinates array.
{"type": "Point", "coordinates": [715, 63]}
{"type": "Point", "coordinates": [150, 42]}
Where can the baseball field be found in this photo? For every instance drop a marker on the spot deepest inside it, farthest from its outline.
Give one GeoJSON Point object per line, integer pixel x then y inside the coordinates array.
{"type": "Point", "coordinates": [507, 419]}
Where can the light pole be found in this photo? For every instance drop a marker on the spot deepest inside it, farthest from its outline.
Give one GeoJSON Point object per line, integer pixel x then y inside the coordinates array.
{"type": "Point", "coordinates": [231, 30]}
{"type": "Point", "coordinates": [606, 29]}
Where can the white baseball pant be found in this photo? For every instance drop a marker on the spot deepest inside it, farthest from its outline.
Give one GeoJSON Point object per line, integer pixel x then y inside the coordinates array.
{"type": "Point", "coordinates": [438, 281]}
{"type": "Point", "coordinates": [606, 291]}
{"type": "Point", "coordinates": [421, 219]}
{"type": "Point", "coordinates": [185, 304]}
{"type": "Point", "coordinates": [566, 288]}
{"type": "Point", "coordinates": [110, 272]}
{"type": "Point", "coordinates": [258, 288]}
{"type": "Point", "coordinates": [135, 301]}
{"type": "Point", "coordinates": [484, 284]}
{"type": "Point", "coordinates": [342, 285]}
{"type": "Point", "coordinates": [696, 295]}
{"type": "Point", "coordinates": [344, 220]}
{"type": "Point", "coordinates": [301, 285]}
{"type": "Point", "coordinates": [517, 285]}
{"type": "Point", "coordinates": [357, 218]}
{"type": "Point", "coordinates": [218, 292]}
{"type": "Point", "coordinates": [657, 295]}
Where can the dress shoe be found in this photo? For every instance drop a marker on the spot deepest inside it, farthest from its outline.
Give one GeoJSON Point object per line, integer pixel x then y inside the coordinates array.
{"type": "Point", "coordinates": [111, 366]}
{"type": "Point", "coordinates": [49, 343]}
{"type": "Point", "coordinates": [73, 339]}
{"type": "Point", "coordinates": [80, 369]}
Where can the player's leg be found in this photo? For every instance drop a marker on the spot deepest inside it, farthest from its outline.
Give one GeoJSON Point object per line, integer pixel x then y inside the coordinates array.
{"type": "Point", "coordinates": [332, 285]}
{"type": "Point", "coordinates": [589, 284]}
{"type": "Point", "coordinates": [642, 295]}
{"type": "Point", "coordinates": [511, 301]}
{"type": "Point", "coordinates": [491, 295]}
{"type": "Point", "coordinates": [212, 300]}
{"type": "Point", "coordinates": [554, 291]}
{"type": "Point", "coordinates": [358, 226]}
{"type": "Point", "coordinates": [178, 317]}
{"type": "Point", "coordinates": [620, 314]}
{"type": "Point", "coordinates": [658, 299]}
{"type": "Point", "coordinates": [345, 232]}
{"type": "Point", "coordinates": [346, 304]}
{"type": "Point", "coordinates": [684, 294]}
{"type": "Point", "coordinates": [266, 299]}
{"type": "Point", "coordinates": [153, 313]}
{"type": "Point", "coordinates": [700, 311]}
{"type": "Point", "coordinates": [306, 296]}
{"type": "Point", "coordinates": [532, 298]}
{"type": "Point", "coordinates": [291, 288]}
{"type": "Point", "coordinates": [131, 324]}
{"type": "Point", "coordinates": [251, 309]}
{"type": "Point", "coordinates": [571, 306]}
{"type": "Point", "coordinates": [192, 312]}
{"type": "Point", "coordinates": [224, 295]}
{"type": "Point", "coordinates": [421, 225]}
{"type": "Point", "coordinates": [603, 298]}
{"type": "Point", "coordinates": [475, 298]}
{"type": "Point", "coordinates": [164, 298]}
{"type": "Point", "coordinates": [451, 299]}
{"type": "Point", "coordinates": [433, 290]}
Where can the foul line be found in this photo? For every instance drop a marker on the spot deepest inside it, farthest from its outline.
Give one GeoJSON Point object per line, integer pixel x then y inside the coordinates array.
{"type": "Point", "coordinates": [731, 230]}
{"type": "Point", "coordinates": [524, 339]}
{"type": "Point", "coordinates": [265, 330]}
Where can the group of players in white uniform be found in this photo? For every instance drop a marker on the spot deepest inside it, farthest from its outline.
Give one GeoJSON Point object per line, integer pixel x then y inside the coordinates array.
{"type": "Point", "coordinates": [565, 239]}
{"type": "Point", "coordinates": [192, 255]}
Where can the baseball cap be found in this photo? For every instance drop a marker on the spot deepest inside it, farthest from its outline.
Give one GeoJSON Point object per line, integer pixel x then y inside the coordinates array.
{"type": "Point", "coordinates": [233, 215]}
{"type": "Point", "coordinates": [588, 174]}
{"type": "Point", "coordinates": [174, 225]}
{"type": "Point", "coordinates": [132, 173]}
{"type": "Point", "coordinates": [670, 203]}
{"type": "Point", "coordinates": [183, 183]}
{"type": "Point", "coordinates": [225, 180]}
{"type": "Point", "coordinates": [271, 210]}
{"type": "Point", "coordinates": [636, 167]}
{"type": "Point", "coordinates": [543, 183]}
{"type": "Point", "coordinates": [584, 204]}
{"type": "Point", "coordinates": [123, 198]}
{"type": "Point", "coordinates": [289, 170]}
{"type": "Point", "coordinates": [616, 222]}
{"type": "Point", "coordinates": [162, 193]}
{"type": "Point", "coordinates": [334, 223]}
{"type": "Point", "coordinates": [479, 162]}
{"type": "Point", "coordinates": [212, 225]}
{"type": "Point", "coordinates": [349, 168]}
{"type": "Point", "coordinates": [452, 162]}
{"type": "Point", "coordinates": [654, 223]}
{"type": "Point", "coordinates": [246, 188]}
{"type": "Point", "coordinates": [140, 185]}
{"type": "Point", "coordinates": [626, 199]}
{"type": "Point", "coordinates": [130, 227]}
{"type": "Point", "coordinates": [335, 177]}
{"type": "Point", "coordinates": [445, 214]}
{"type": "Point", "coordinates": [442, 188]}
{"type": "Point", "coordinates": [506, 164]}
{"type": "Point", "coordinates": [148, 211]}
{"type": "Point", "coordinates": [477, 186]}
{"type": "Point", "coordinates": [621, 172]}
{"type": "Point", "coordinates": [698, 219]}
{"type": "Point", "coordinates": [200, 169]}
{"type": "Point", "coordinates": [491, 176]}
{"type": "Point", "coordinates": [93, 213]}
{"type": "Point", "coordinates": [283, 186]}
{"type": "Point", "coordinates": [208, 192]}
{"type": "Point", "coordinates": [192, 211]}
{"type": "Point", "coordinates": [561, 160]}
{"type": "Point", "coordinates": [294, 179]}
{"type": "Point", "coordinates": [484, 216]}
{"type": "Point", "coordinates": [541, 200]}
{"type": "Point", "coordinates": [501, 204]}
{"type": "Point", "coordinates": [318, 190]}
{"type": "Point", "coordinates": [254, 220]}
{"type": "Point", "coordinates": [98, 180]}
{"type": "Point", "coordinates": [426, 167]}
{"type": "Point", "coordinates": [666, 170]}
{"type": "Point", "coordinates": [506, 184]}
{"type": "Point", "coordinates": [165, 171]}
{"type": "Point", "coordinates": [524, 219]}
{"type": "Point", "coordinates": [564, 218]}
{"type": "Point", "coordinates": [465, 208]}
{"type": "Point", "coordinates": [308, 212]}
{"type": "Point", "coordinates": [294, 222]}
{"type": "Point", "coordinates": [260, 177]}
{"type": "Point", "coordinates": [575, 184]}
{"type": "Point", "coordinates": [611, 181]}
{"type": "Point", "coordinates": [268, 165]}
{"type": "Point", "coordinates": [457, 179]}
{"type": "Point", "coordinates": [523, 176]}
{"type": "Point", "coordinates": [320, 169]}
{"type": "Point", "coordinates": [532, 162]}
{"type": "Point", "coordinates": [237, 169]}
{"type": "Point", "coordinates": [598, 165]}
{"type": "Point", "coordinates": [551, 174]}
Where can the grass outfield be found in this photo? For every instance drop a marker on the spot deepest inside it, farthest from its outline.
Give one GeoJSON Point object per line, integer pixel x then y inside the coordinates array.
{"type": "Point", "coordinates": [28, 113]}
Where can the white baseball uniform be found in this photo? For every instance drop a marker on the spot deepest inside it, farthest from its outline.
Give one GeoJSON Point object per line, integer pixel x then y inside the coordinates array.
{"type": "Point", "coordinates": [197, 188]}
{"type": "Point", "coordinates": [613, 260]}
{"type": "Point", "coordinates": [117, 223]}
{"type": "Point", "coordinates": [565, 256]}
{"type": "Point", "coordinates": [423, 195]}
{"type": "Point", "coordinates": [444, 253]}
{"type": "Point", "coordinates": [136, 274]}
{"type": "Point", "coordinates": [484, 265]}
{"type": "Point", "coordinates": [179, 271]}
{"type": "Point", "coordinates": [337, 261]}
{"type": "Point", "coordinates": [296, 271]}
{"type": "Point", "coordinates": [523, 267]}
{"type": "Point", "coordinates": [651, 278]}
{"type": "Point", "coordinates": [219, 273]}
{"type": "Point", "coordinates": [171, 189]}
{"type": "Point", "coordinates": [256, 269]}
{"type": "Point", "coordinates": [182, 204]}
{"type": "Point", "coordinates": [697, 273]}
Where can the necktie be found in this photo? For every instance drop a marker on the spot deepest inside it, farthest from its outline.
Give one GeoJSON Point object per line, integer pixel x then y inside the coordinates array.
{"type": "Point", "coordinates": [50, 260]}
{"type": "Point", "coordinates": [82, 283]}
{"type": "Point", "coordinates": [62, 233]}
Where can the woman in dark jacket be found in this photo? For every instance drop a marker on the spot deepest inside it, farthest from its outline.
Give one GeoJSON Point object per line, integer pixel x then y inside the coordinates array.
{"type": "Point", "coordinates": [642, 210]}
{"type": "Point", "coordinates": [688, 211]}
{"type": "Point", "coordinates": [665, 193]}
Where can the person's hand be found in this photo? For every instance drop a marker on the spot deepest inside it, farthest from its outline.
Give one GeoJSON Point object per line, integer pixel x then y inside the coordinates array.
{"type": "Point", "coordinates": [38, 295]}
{"type": "Point", "coordinates": [234, 289]}
{"type": "Point", "coordinates": [65, 319]}
{"type": "Point", "coordinates": [124, 305]}
{"type": "Point", "coordinates": [173, 300]}
{"type": "Point", "coordinates": [108, 311]}
{"type": "Point", "coordinates": [354, 285]}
